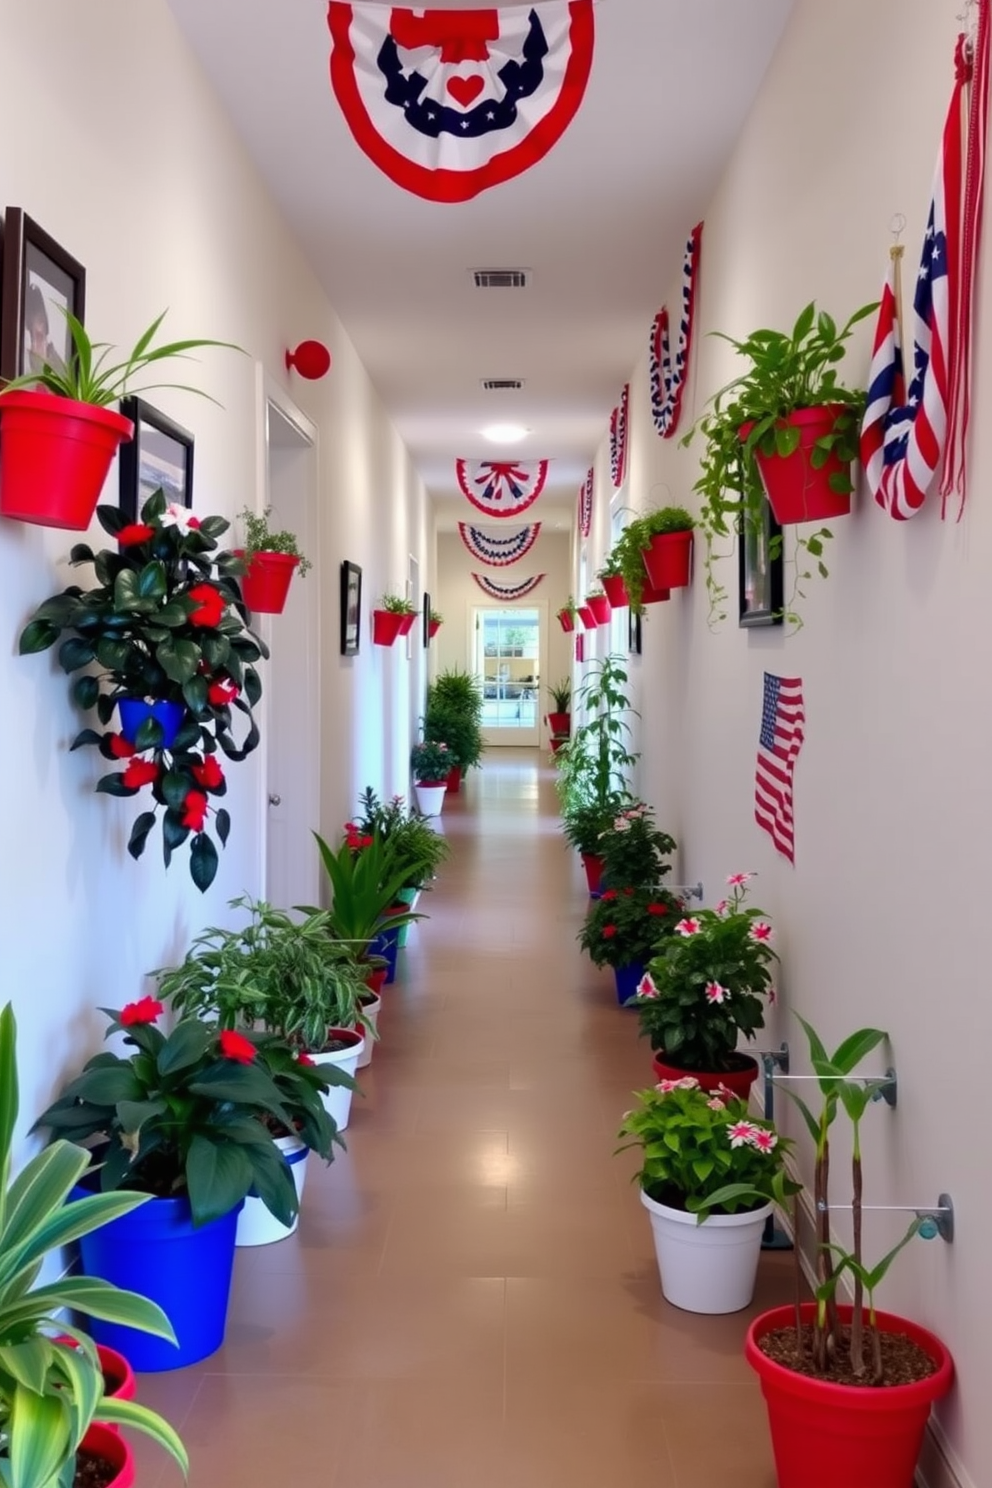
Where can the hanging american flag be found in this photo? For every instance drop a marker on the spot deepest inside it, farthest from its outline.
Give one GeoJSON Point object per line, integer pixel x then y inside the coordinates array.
{"type": "Point", "coordinates": [507, 592]}
{"type": "Point", "coordinates": [585, 504]}
{"type": "Point", "coordinates": [499, 549]}
{"type": "Point", "coordinates": [501, 488]}
{"type": "Point", "coordinates": [668, 380]}
{"type": "Point", "coordinates": [618, 439]}
{"type": "Point", "coordinates": [783, 722]}
{"type": "Point", "coordinates": [905, 439]}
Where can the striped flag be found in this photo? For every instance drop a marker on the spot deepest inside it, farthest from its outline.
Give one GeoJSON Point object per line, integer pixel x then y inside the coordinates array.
{"type": "Point", "coordinates": [783, 721]}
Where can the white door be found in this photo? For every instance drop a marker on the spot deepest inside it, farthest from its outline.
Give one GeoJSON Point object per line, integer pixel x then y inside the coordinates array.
{"type": "Point", "coordinates": [508, 645]}
{"type": "Point", "coordinates": [291, 678]}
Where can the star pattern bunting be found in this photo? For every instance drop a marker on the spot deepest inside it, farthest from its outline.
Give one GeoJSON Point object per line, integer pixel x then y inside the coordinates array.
{"type": "Point", "coordinates": [501, 488]}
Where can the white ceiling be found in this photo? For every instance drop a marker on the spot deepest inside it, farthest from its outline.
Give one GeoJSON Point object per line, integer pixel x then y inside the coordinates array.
{"type": "Point", "coordinates": [601, 222]}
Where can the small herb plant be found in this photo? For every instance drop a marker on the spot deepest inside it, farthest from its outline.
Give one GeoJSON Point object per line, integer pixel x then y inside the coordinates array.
{"type": "Point", "coordinates": [259, 538]}
{"type": "Point", "coordinates": [436, 617]}
{"type": "Point", "coordinates": [625, 556]}
{"type": "Point", "coordinates": [395, 604]}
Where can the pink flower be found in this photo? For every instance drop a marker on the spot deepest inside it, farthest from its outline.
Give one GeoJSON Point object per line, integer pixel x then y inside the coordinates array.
{"type": "Point", "coordinates": [760, 931]}
{"type": "Point", "coordinates": [646, 986]}
{"type": "Point", "coordinates": [621, 824]}
{"type": "Point", "coordinates": [737, 879]}
{"type": "Point", "coordinates": [688, 927]}
{"type": "Point", "coordinates": [667, 1086]}
{"type": "Point", "coordinates": [687, 1082]}
{"type": "Point", "coordinates": [716, 993]}
{"type": "Point", "coordinates": [772, 996]}
{"type": "Point", "coordinates": [716, 1104]}
{"type": "Point", "coordinates": [721, 908]}
{"type": "Point", "coordinates": [741, 1133]}
{"type": "Point", "coordinates": [764, 1141]}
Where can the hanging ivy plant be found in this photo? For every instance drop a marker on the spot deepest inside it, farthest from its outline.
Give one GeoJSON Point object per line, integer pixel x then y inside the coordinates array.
{"type": "Point", "coordinates": [164, 623]}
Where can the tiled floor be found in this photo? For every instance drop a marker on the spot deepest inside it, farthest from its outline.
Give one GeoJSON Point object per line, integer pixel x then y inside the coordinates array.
{"type": "Point", "coordinates": [472, 1300]}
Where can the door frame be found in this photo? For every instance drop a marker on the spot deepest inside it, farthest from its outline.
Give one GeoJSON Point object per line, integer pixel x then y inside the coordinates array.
{"type": "Point", "coordinates": [529, 603]}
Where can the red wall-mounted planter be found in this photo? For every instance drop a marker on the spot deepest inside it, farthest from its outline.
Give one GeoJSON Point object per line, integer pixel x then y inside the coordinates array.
{"type": "Point", "coordinates": [651, 595]}
{"type": "Point", "coordinates": [265, 584]}
{"type": "Point", "coordinates": [587, 617]}
{"type": "Point", "coordinates": [797, 492]}
{"type": "Point", "coordinates": [406, 624]}
{"type": "Point", "coordinates": [566, 620]}
{"type": "Point", "coordinates": [54, 457]}
{"type": "Point", "coordinates": [616, 591]}
{"type": "Point", "coordinates": [432, 629]}
{"type": "Point", "coordinates": [668, 558]}
{"type": "Point", "coordinates": [385, 627]}
{"type": "Point", "coordinates": [600, 606]}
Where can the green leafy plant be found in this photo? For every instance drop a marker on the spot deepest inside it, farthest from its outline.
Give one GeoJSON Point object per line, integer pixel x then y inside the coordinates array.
{"type": "Point", "coordinates": [365, 880]}
{"type": "Point", "coordinates": [259, 538]}
{"type": "Point", "coordinates": [709, 983]}
{"type": "Point", "coordinates": [604, 701]}
{"type": "Point", "coordinates": [627, 926]}
{"type": "Point", "coordinates": [454, 716]}
{"type": "Point", "coordinates": [430, 760]}
{"type": "Point", "coordinates": [561, 694]}
{"type": "Point", "coordinates": [704, 1152]}
{"type": "Point", "coordinates": [164, 623]}
{"type": "Point", "coordinates": [625, 555]}
{"type": "Point", "coordinates": [633, 850]}
{"type": "Point", "coordinates": [458, 690]}
{"type": "Point", "coordinates": [570, 608]}
{"type": "Point", "coordinates": [395, 604]}
{"type": "Point", "coordinates": [418, 851]}
{"type": "Point", "coordinates": [788, 371]}
{"type": "Point", "coordinates": [51, 1381]}
{"type": "Point", "coordinates": [436, 617]}
{"type": "Point", "coordinates": [91, 376]}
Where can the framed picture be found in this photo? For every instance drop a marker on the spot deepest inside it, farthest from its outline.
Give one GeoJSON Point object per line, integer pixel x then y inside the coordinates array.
{"type": "Point", "coordinates": [425, 621]}
{"type": "Point", "coordinates": [759, 571]}
{"type": "Point", "coordinates": [40, 282]}
{"type": "Point", "coordinates": [351, 609]}
{"type": "Point", "coordinates": [634, 633]}
{"type": "Point", "coordinates": [159, 456]}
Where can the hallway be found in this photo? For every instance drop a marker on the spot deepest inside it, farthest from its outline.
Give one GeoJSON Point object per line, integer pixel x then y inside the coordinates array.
{"type": "Point", "coordinates": [472, 1297]}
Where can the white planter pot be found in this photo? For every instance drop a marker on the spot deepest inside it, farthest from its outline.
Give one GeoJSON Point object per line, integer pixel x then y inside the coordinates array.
{"type": "Point", "coordinates": [708, 1267]}
{"type": "Point", "coordinates": [337, 1100]}
{"type": "Point", "coordinates": [371, 1012]}
{"type": "Point", "coordinates": [430, 798]}
{"type": "Point", "coordinates": [256, 1225]}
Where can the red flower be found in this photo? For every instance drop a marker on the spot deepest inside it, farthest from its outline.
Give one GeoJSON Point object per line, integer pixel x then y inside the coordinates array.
{"type": "Point", "coordinates": [609, 931]}
{"type": "Point", "coordinates": [120, 747]}
{"type": "Point", "coordinates": [628, 893]}
{"type": "Point", "coordinates": [657, 909]}
{"type": "Point", "coordinates": [140, 772]}
{"type": "Point", "coordinates": [235, 1046]}
{"type": "Point", "coordinates": [609, 894]}
{"type": "Point", "coordinates": [222, 692]}
{"type": "Point", "coordinates": [135, 532]}
{"type": "Point", "coordinates": [304, 1059]}
{"type": "Point", "coordinates": [365, 841]}
{"type": "Point", "coordinates": [209, 774]}
{"type": "Point", "coordinates": [210, 605]}
{"type": "Point", "coordinates": [145, 1010]}
{"type": "Point", "coordinates": [196, 810]}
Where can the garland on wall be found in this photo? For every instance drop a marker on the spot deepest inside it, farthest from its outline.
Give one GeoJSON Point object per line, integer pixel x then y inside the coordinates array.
{"type": "Point", "coordinates": [507, 592]}
{"type": "Point", "coordinates": [667, 379]}
{"type": "Point", "coordinates": [448, 103]}
{"type": "Point", "coordinates": [618, 439]}
{"type": "Point", "coordinates": [499, 550]}
{"type": "Point", "coordinates": [585, 504]}
{"type": "Point", "coordinates": [501, 488]}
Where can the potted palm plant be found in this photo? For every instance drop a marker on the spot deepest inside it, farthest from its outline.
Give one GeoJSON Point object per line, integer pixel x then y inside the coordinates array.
{"type": "Point", "coordinates": [454, 714]}
{"type": "Point", "coordinates": [55, 451]}
{"type": "Point", "coordinates": [52, 1384]}
{"type": "Point", "coordinates": [270, 559]}
{"type": "Point", "coordinates": [365, 880]}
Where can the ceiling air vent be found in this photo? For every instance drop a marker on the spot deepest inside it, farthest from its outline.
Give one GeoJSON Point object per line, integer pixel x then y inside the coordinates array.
{"type": "Point", "coordinates": [502, 384]}
{"type": "Point", "coordinates": [501, 278]}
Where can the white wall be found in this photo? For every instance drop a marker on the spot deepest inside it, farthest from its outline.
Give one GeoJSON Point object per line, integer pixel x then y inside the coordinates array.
{"type": "Point", "coordinates": [116, 146]}
{"type": "Point", "coordinates": [881, 921]}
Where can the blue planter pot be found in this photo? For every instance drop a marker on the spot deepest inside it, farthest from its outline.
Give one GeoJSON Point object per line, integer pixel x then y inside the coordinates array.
{"type": "Point", "coordinates": [627, 979]}
{"type": "Point", "coordinates": [134, 712]}
{"type": "Point", "coordinates": [156, 1251]}
{"type": "Point", "coordinates": [386, 945]}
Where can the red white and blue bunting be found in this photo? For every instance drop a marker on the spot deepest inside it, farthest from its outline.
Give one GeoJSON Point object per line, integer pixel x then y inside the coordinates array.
{"type": "Point", "coordinates": [618, 439]}
{"type": "Point", "coordinates": [585, 504]}
{"type": "Point", "coordinates": [501, 488]}
{"type": "Point", "coordinates": [499, 550]}
{"type": "Point", "coordinates": [508, 593]}
{"type": "Point", "coordinates": [448, 103]}
{"type": "Point", "coordinates": [668, 379]}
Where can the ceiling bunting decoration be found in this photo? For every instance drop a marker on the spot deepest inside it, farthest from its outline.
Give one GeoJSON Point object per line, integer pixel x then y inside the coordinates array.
{"type": "Point", "coordinates": [905, 438]}
{"type": "Point", "coordinates": [668, 379]}
{"type": "Point", "coordinates": [501, 488]}
{"type": "Point", "coordinates": [499, 550]}
{"type": "Point", "coordinates": [585, 504]}
{"type": "Point", "coordinates": [448, 103]}
{"type": "Point", "coordinates": [508, 593]}
{"type": "Point", "coordinates": [618, 439]}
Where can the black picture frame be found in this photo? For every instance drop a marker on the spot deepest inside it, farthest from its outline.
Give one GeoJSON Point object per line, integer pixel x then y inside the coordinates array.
{"type": "Point", "coordinates": [38, 280]}
{"type": "Point", "coordinates": [634, 633]}
{"type": "Point", "coordinates": [351, 609]}
{"type": "Point", "coordinates": [760, 582]}
{"type": "Point", "coordinates": [159, 455]}
{"type": "Point", "coordinates": [426, 620]}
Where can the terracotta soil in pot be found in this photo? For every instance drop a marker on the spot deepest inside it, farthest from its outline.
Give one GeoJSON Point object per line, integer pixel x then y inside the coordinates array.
{"type": "Point", "coordinates": [903, 1361]}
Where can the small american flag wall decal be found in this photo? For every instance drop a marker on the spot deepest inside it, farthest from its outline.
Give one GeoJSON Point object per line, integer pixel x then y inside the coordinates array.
{"type": "Point", "coordinates": [783, 724]}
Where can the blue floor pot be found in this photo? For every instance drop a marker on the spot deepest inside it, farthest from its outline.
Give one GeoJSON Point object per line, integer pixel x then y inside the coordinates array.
{"type": "Point", "coordinates": [627, 979]}
{"type": "Point", "coordinates": [156, 1251]}
{"type": "Point", "coordinates": [386, 945]}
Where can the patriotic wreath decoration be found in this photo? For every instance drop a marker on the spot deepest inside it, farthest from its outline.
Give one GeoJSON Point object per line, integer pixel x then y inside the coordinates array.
{"type": "Point", "coordinates": [668, 379]}
{"type": "Point", "coordinates": [499, 550]}
{"type": "Point", "coordinates": [501, 488]}
{"type": "Point", "coordinates": [904, 439]}
{"type": "Point", "coordinates": [618, 439]}
{"type": "Point", "coordinates": [507, 592]}
{"type": "Point", "coordinates": [585, 504]}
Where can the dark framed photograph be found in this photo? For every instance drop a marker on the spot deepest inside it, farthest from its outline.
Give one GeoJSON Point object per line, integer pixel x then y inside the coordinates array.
{"type": "Point", "coordinates": [425, 620]}
{"type": "Point", "coordinates": [40, 282]}
{"type": "Point", "coordinates": [351, 609]}
{"type": "Point", "coordinates": [759, 571]}
{"type": "Point", "coordinates": [160, 456]}
{"type": "Point", "coordinates": [634, 633]}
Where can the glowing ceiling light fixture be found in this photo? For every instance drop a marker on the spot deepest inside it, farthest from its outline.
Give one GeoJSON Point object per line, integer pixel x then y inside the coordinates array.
{"type": "Point", "coordinates": [504, 433]}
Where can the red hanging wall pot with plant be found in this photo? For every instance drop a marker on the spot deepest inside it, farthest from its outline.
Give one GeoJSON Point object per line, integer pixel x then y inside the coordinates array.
{"type": "Point", "coordinates": [801, 485]}
{"type": "Point", "coordinates": [54, 457]}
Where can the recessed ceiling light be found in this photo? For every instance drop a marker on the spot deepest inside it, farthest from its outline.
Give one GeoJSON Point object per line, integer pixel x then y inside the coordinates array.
{"type": "Point", "coordinates": [504, 433]}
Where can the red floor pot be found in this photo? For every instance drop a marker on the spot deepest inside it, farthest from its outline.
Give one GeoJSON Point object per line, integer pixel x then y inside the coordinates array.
{"type": "Point", "coordinates": [796, 491]}
{"type": "Point", "coordinates": [668, 559]}
{"type": "Point", "coordinates": [594, 870]}
{"type": "Point", "coordinates": [738, 1080]}
{"type": "Point", "coordinates": [103, 1442]}
{"type": "Point", "coordinates": [453, 780]}
{"type": "Point", "coordinates": [845, 1436]}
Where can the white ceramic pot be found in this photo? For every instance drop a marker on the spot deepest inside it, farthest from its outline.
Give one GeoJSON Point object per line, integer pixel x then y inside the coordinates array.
{"type": "Point", "coordinates": [708, 1267]}
{"type": "Point", "coordinates": [430, 798]}
{"type": "Point", "coordinates": [337, 1100]}
{"type": "Point", "coordinates": [256, 1225]}
{"type": "Point", "coordinates": [371, 1012]}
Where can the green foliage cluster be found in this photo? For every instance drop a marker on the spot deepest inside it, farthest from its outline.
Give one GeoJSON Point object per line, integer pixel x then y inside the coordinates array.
{"type": "Point", "coordinates": [453, 715]}
{"type": "Point", "coordinates": [259, 538]}
{"type": "Point", "coordinates": [633, 850]}
{"type": "Point", "coordinates": [418, 851]}
{"type": "Point", "coordinates": [396, 604]}
{"type": "Point", "coordinates": [431, 760]}
{"type": "Point", "coordinates": [561, 694]}
{"type": "Point", "coordinates": [627, 926]}
{"type": "Point", "coordinates": [364, 882]}
{"type": "Point", "coordinates": [625, 555]}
